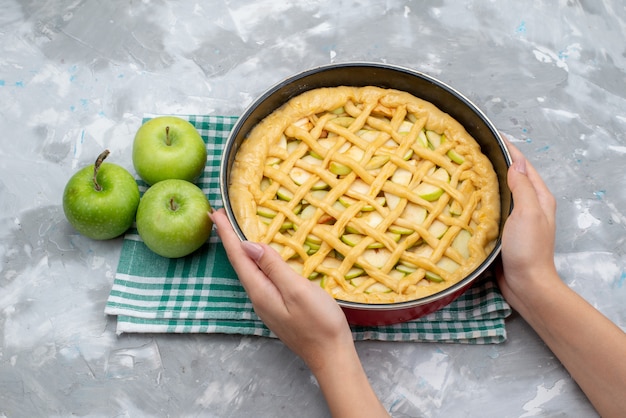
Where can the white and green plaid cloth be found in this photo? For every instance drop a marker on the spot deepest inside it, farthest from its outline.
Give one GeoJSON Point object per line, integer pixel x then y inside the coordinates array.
{"type": "Point", "coordinates": [201, 293]}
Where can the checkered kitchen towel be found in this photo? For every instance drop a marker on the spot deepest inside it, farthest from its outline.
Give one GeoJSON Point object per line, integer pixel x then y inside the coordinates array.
{"type": "Point", "coordinates": [200, 293]}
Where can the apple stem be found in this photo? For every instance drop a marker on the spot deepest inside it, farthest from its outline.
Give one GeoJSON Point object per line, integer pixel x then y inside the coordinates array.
{"type": "Point", "coordinates": [96, 167]}
{"type": "Point", "coordinates": [168, 141]}
{"type": "Point", "coordinates": [173, 205]}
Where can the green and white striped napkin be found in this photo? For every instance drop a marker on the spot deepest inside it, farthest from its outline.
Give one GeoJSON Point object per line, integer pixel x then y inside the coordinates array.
{"type": "Point", "coordinates": [201, 293]}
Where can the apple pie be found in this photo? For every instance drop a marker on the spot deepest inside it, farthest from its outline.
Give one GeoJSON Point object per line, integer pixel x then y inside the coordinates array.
{"type": "Point", "coordinates": [375, 194]}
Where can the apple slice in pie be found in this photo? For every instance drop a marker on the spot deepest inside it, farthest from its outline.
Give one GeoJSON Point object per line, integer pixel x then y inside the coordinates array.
{"type": "Point", "coordinates": [375, 194]}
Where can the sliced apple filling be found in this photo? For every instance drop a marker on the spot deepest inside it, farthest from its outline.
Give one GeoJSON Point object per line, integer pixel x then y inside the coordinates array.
{"type": "Point", "coordinates": [375, 194]}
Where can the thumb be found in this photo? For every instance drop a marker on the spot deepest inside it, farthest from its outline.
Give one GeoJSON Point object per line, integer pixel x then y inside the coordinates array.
{"type": "Point", "coordinates": [272, 264]}
{"type": "Point", "coordinates": [521, 187]}
{"type": "Point", "coordinates": [529, 190]}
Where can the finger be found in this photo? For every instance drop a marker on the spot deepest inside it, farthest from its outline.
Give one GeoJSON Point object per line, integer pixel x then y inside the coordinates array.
{"type": "Point", "coordinates": [521, 164]}
{"type": "Point", "coordinates": [544, 197]}
{"type": "Point", "coordinates": [257, 285]}
{"type": "Point", "coordinates": [231, 242]}
{"type": "Point", "coordinates": [519, 180]}
{"type": "Point", "coordinates": [275, 268]}
{"type": "Point", "coordinates": [524, 194]}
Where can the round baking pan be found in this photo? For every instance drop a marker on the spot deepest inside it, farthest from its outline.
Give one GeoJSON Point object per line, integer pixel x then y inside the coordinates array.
{"type": "Point", "coordinates": [361, 74]}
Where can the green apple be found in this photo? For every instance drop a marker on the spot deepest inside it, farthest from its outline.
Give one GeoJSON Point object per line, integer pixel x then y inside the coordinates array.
{"type": "Point", "coordinates": [422, 139]}
{"type": "Point", "coordinates": [353, 273]}
{"type": "Point", "coordinates": [380, 200]}
{"type": "Point", "coordinates": [307, 213]}
{"type": "Point", "coordinates": [312, 160]}
{"type": "Point", "coordinates": [376, 257]}
{"type": "Point", "coordinates": [414, 213]}
{"type": "Point", "coordinates": [100, 200]}
{"type": "Point", "coordinates": [313, 239]}
{"type": "Point", "coordinates": [430, 192]}
{"type": "Point", "coordinates": [377, 288]}
{"type": "Point", "coordinates": [286, 226]}
{"type": "Point", "coordinates": [168, 147]}
{"type": "Point", "coordinates": [438, 228]}
{"type": "Point", "coordinates": [377, 161]}
{"type": "Point", "coordinates": [355, 153]}
{"type": "Point", "coordinates": [405, 127]}
{"type": "Point", "coordinates": [369, 136]}
{"type": "Point", "coordinates": [434, 139]}
{"type": "Point", "coordinates": [266, 212]}
{"type": "Point", "coordinates": [455, 208]}
{"type": "Point", "coordinates": [344, 121]}
{"type": "Point", "coordinates": [405, 269]}
{"type": "Point", "coordinates": [360, 187]}
{"type": "Point", "coordinates": [292, 146]}
{"type": "Point", "coordinates": [339, 169]}
{"type": "Point", "coordinates": [424, 251]}
{"type": "Point", "coordinates": [455, 156]}
{"type": "Point", "coordinates": [284, 194]}
{"type": "Point", "coordinates": [433, 277]}
{"type": "Point", "coordinates": [273, 161]}
{"type": "Point", "coordinates": [373, 219]}
{"type": "Point", "coordinates": [401, 177]}
{"type": "Point", "coordinates": [352, 239]}
{"type": "Point", "coordinates": [301, 176]}
{"type": "Point", "coordinates": [461, 243]}
{"type": "Point", "coordinates": [448, 264]}
{"type": "Point", "coordinates": [373, 288]}
{"type": "Point", "coordinates": [265, 183]}
{"type": "Point", "coordinates": [400, 230]}
{"type": "Point", "coordinates": [346, 201]}
{"type": "Point", "coordinates": [172, 218]}
{"type": "Point", "coordinates": [445, 264]}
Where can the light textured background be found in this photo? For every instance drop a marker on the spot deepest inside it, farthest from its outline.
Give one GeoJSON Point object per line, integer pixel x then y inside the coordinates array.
{"type": "Point", "coordinates": [77, 76]}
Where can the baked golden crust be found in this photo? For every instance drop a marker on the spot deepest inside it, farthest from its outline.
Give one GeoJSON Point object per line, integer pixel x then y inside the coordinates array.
{"type": "Point", "coordinates": [378, 195]}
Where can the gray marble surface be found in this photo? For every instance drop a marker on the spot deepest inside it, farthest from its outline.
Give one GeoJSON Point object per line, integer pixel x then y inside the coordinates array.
{"type": "Point", "coordinates": [76, 76]}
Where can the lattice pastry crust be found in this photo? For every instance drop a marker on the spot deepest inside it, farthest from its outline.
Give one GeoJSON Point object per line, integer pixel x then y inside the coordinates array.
{"type": "Point", "coordinates": [377, 195]}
